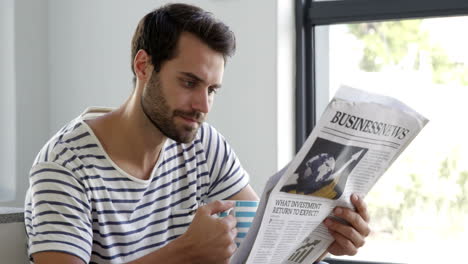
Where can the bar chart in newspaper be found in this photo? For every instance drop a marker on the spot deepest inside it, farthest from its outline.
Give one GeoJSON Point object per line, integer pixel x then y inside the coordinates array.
{"type": "Point", "coordinates": [306, 248]}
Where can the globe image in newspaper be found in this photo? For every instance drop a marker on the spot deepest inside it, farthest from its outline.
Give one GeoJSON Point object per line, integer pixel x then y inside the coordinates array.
{"type": "Point", "coordinates": [318, 171]}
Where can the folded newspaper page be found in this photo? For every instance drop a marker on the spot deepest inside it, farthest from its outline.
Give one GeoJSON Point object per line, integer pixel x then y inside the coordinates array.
{"type": "Point", "coordinates": [358, 137]}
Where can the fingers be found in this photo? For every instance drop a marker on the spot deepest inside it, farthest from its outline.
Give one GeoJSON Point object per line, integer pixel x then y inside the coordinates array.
{"type": "Point", "coordinates": [233, 246]}
{"type": "Point", "coordinates": [211, 237]}
{"type": "Point", "coordinates": [351, 235]}
{"type": "Point", "coordinates": [358, 219]}
{"type": "Point", "coordinates": [230, 251]}
{"type": "Point", "coordinates": [230, 221]}
{"type": "Point", "coordinates": [361, 207]}
{"type": "Point", "coordinates": [217, 207]}
{"type": "Point", "coordinates": [230, 233]}
{"type": "Point", "coordinates": [342, 245]}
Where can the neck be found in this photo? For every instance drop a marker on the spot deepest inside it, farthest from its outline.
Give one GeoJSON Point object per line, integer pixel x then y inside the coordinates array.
{"type": "Point", "coordinates": [129, 138]}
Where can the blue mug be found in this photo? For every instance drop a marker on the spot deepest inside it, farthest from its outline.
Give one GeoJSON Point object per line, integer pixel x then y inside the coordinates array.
{"type": "Point", "coordinates": [244, 212]}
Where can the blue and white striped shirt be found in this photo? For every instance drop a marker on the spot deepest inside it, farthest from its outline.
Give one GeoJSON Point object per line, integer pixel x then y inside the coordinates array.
{"type": "Point", "coordinates": [80, 202]}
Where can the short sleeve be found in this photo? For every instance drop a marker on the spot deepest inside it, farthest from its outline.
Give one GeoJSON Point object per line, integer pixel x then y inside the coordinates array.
{"type": "Point", "coordinates": [227, 176]}
{"type": "Point", "coordinates": [57, 212]}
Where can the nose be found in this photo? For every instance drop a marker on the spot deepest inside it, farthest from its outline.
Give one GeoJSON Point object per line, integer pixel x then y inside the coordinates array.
{"type": "Point", "coordinates": [201, 101]}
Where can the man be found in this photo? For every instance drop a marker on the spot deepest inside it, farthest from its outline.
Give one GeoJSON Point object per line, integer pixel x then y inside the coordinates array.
{"type": "Point", "coordinates": [123, 186]}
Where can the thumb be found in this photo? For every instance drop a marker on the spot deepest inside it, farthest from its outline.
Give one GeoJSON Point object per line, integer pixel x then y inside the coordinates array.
{"type": "Point", "coordinates": [218, 206]}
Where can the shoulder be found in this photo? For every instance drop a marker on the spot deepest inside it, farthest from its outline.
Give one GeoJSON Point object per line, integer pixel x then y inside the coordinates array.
{"type": "Point", "coordinates": [56, 164]}
{"type": "Point", "coordinates": [69, 141]}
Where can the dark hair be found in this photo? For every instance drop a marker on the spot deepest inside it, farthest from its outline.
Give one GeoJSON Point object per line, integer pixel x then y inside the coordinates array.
{"type": "Point", "coordinates": [158, 33]}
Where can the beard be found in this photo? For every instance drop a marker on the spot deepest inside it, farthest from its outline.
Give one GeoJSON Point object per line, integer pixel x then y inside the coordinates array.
{"type": "Point", "coordinates": [157, 110]}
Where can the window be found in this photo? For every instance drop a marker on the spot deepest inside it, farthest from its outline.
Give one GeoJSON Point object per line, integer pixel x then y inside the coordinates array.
{"type": "Point", "coordinates": [414, 51]}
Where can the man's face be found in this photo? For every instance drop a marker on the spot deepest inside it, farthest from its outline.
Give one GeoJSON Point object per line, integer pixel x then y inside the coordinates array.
{"type": "Point", "coordinates": [178, 98]}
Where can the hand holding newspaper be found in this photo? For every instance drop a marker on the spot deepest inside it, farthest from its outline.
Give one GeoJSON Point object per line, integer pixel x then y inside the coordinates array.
{"type": "Point", "coordinates": [357, 138]}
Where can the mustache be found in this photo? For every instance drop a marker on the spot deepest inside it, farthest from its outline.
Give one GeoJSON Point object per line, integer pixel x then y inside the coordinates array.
{"type": "Point", "coordinates": [195, 115]}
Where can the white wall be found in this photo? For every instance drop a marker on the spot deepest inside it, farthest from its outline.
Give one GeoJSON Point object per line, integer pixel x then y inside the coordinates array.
{"type": "Point", "coordinates": [7, 105]}
{"type": "Point", "coordinates": [28, 102]}
{"type": "Point", "coordinates": [88, 63]}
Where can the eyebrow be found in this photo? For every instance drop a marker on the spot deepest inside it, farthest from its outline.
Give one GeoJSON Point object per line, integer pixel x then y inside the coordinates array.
{"type": "Point", "coordinates": [193, 76]}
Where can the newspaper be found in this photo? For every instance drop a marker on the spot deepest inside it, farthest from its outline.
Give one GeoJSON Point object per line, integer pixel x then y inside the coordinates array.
{"type": "Point", "coordinates": [357, 138]}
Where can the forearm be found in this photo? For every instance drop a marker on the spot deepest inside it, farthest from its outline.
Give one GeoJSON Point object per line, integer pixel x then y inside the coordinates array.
{"type": "Point", "coordinates": [208, 239]}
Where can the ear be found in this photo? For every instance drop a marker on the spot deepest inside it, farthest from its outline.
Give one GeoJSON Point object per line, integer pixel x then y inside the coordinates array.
{"type": "Point", "coordinates": [142, 66]}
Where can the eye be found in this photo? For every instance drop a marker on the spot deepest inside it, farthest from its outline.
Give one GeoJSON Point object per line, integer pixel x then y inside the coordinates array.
{"type": "Point", "coordinates": [212, 90]}
{"type": "Point", "coordinates": [189, 83]}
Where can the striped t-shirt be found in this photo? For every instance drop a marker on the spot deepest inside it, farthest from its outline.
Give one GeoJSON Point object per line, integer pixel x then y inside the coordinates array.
{"type": "Point", "coordinates": [80, 202]}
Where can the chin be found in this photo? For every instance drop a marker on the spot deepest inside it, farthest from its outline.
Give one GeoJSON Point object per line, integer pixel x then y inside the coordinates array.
{"type": "Point", "coordinates": [186, 136]}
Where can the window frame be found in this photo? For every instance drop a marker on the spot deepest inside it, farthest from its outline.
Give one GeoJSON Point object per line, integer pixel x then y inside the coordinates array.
{"type": "Point", "coordinates": [309, 14]}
